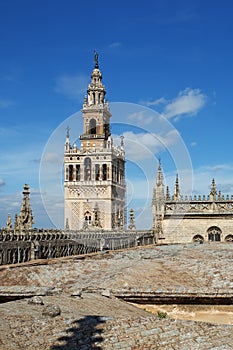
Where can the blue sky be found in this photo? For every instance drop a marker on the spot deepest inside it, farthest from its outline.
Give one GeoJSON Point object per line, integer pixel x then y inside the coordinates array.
{"type": "Point", "coordinates": [174, 57]}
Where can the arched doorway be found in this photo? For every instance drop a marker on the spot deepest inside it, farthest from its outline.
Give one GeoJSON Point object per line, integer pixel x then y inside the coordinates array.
{"type": "Point", "coordinates": [214, 234]}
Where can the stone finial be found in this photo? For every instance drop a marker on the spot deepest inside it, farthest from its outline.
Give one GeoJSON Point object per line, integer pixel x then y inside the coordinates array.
{"type": "Point", "coordinates": [67, 224]}
{"type": "Point", "coordinates": [213, 191]}
{"type": "Point", "coordinates": [131, 220]}
{"type": "Point", "coordinates": [96, 59]}
{"type": "Point", "coordinates": [68, 132]}
{"type": "Point", "coordinates": [122, 142]}
{"type": "Point", "coordinates": [9, 223]}
{"type": "Point", "coordinates": [17, 223]}
{"type": "Point", "coordinates": [168, 197]}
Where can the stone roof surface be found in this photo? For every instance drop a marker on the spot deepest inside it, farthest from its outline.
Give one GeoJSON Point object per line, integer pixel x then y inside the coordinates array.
{"type": "Point", "coordinates": [93, 318]}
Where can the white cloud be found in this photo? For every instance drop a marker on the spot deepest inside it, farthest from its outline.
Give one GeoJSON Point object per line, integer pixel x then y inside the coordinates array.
{"type": "Point", "coordinates": [188, 102]}
{"type": "Point", "coordinates": [193, 144]}
{"type": "Point", "coordinates": [145, 145]}
{"type": "Point", "coordinates": [140, 118]}
{"type": "Point", "coordinates": [72, 86]}
{"type": "Point", "coordinates": [157, 102]}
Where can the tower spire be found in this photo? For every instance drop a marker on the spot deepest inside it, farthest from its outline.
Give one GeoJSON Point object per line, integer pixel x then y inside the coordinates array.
{"type": "Point", "coordinates": [159, 179]}
{"type": "Point", "coordinates": [158, 196]}
{"type": "Point", "coordinates": [96, 90]}
{"type": "Point", "coordinates": [158, 203]}
{"type": "Point", "coordinates": [94, 173]}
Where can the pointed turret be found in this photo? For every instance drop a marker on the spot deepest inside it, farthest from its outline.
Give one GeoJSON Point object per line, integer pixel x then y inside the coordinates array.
{"type": "Point", "coordinates": [26, 217]}
{"type": "Point", "coordinates": [177, 189]}
{"type": "Point", "coordinates": [168, 197]}
{"type": "Point", "coordinates": [67, 143]}
{"type": "Point", "coordinates": [159, 180]}
{"type": "Point", "coordinates": [159, 187]}
{"type": "Point", "coordinates": [213, 191]}
{"type": "Point", "coordinates": [9, 223]}
{"type": "Point", "coordinates": [158, 201]}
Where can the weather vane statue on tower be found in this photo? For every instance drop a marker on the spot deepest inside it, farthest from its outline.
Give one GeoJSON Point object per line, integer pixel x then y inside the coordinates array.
{"type": "Point", "coordinates": [96, 59]}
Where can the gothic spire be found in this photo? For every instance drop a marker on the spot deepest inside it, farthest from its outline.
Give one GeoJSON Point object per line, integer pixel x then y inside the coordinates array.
{"type": "Point", "coordinates": [26, 217]}
{"type": "Point", "coordinates": [159, 186]}
{"type": "Point", "coordinates": [159, 179]}
{"type": "Point", "coordinates": [177, 189]}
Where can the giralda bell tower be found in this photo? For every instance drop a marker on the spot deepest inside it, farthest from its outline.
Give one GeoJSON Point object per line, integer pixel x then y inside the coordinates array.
{"type": "Point", "coordinates": [94, 178]}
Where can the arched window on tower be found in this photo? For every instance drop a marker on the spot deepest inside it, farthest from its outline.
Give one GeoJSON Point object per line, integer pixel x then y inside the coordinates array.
{"type": "Point", "coordinates": [104, 172]}
{"type": "Point", "coordinates": [87, 217]}
{"type": "Point", "coordinates": [97, 172]}
{"type": "Point", "coordinates": [87, 169]}
{"type": "Point", "coordinates": [71, 172]}
{"type": "Point", "coordinates": [78, 172]}
{"type": "Point", "coordinates": [92, 127]}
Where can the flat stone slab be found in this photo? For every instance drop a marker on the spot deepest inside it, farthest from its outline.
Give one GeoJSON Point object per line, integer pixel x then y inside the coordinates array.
{"type": "Point", "coordinates": [23, 291]}
{"type": "Point", "coordinates": [97, 322]}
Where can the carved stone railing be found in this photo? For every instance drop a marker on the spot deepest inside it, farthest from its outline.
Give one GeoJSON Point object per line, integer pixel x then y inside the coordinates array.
{"type": "Point", "coordinates": [199, 207]}
{"type": "Point", "coordinates": [17, 247]}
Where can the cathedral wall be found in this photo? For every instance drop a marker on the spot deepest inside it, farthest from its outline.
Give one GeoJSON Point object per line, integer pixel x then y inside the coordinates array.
{"type": "Point", "coordinates": [184, 230]}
